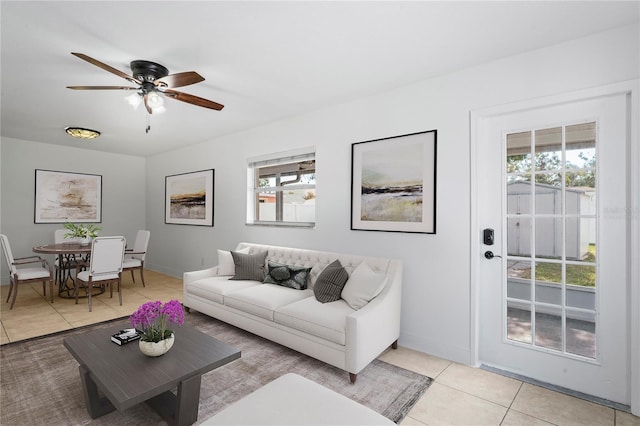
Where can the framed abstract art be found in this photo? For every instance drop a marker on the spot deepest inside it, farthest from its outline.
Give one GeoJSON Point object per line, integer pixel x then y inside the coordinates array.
{"type": "Point", "coordinates": [393, 184]}
{"type": "Point", "coordinates": [189, 198]}
{"type": "Point", "coordinates": [67, 197]}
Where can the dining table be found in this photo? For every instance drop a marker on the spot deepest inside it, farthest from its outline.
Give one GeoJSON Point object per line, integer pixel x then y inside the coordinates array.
{"type": "Point", "coordinates": [70, 256]}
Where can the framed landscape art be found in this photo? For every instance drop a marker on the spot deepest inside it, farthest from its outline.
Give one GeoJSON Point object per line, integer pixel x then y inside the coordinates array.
{"type": "Point", "coordinates": [189, 198]}
{"type": "Point", "coordinates": [393, 184]}
{"type": "Point", "coordinates": [67, 197]}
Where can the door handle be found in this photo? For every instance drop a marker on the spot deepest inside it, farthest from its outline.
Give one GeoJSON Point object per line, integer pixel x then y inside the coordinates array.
{"type": "Point", "coordinates": [489, 255]}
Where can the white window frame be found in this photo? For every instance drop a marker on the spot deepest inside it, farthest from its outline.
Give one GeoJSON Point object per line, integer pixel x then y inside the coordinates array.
{"type": "Point", "coordinates": [273, 160]}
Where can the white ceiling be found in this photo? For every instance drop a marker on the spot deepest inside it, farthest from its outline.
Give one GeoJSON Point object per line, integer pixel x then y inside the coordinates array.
{"type": "Point", "coordinates": [263, 60]}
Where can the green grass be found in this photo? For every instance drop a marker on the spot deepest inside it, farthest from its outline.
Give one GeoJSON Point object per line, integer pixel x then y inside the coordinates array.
{"type": "Point", "coordinates": [583, 275]}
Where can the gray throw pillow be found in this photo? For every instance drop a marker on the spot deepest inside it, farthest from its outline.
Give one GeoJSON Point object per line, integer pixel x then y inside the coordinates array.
{"type": "Point", "coordinates": [249, 266]}
{"type": "Point", "coordinates": [287, 276]}
{"type": "Point", "coordinates": [330, 282]}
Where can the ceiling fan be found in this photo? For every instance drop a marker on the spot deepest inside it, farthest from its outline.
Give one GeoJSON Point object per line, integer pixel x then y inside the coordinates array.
{"type": "Point", "coordinates": [151, 80]}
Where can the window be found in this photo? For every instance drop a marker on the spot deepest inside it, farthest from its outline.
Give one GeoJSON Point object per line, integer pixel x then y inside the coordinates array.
{"type": "Point", "coordinates": [282, 189]}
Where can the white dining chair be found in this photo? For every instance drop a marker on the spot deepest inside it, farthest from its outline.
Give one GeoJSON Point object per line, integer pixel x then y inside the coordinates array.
{"type": "Point", "coordinates": [134, 258]}
{"type": "Point", "coordinates": [25, 270]}
{"type": "Point", "coordinates": [105, 266]}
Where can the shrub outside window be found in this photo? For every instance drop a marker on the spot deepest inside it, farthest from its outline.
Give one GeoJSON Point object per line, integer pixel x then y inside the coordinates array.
{"type": "Point", "coordinates": [282, 189]}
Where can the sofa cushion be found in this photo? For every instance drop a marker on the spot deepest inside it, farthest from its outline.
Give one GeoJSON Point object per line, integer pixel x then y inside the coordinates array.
{"type": "Point", "coordinates": [262, 300]}
{"type": "Point", "coordinates": [294, 277]}
{"type": "Point", "coordinates": [225, 261]}
{"type": "Point", "coordinates": [330, 282]}
{"type": "Point", "coordinates": [249, 266]}
{"type": "Point", "coordinates": [215, 288]}
{"type": "Point", "coordinates": [362, 286]}
{"type": "Point", "coordinates": [324, 320]}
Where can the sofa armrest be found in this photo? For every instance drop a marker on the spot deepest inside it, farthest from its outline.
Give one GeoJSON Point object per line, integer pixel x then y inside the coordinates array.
{"type": "Point", "coordinates": [371, 329]}
{"type": "Point", "coordinates": [191, 276]}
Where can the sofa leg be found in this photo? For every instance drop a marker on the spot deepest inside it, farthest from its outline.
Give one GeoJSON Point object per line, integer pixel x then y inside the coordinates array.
{"type": "Point", "coordinates": [394, 345]}
{"type": "Point", "coordinates": [188, 309]}
{"type": "Point", "coordinates": [353, 377]}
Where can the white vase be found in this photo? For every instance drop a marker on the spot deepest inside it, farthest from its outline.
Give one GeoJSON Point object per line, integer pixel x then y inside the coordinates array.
{"type": "Point", "coordinates": [157, 348]}
{"type": "Point", "coordinates": [84, 241]}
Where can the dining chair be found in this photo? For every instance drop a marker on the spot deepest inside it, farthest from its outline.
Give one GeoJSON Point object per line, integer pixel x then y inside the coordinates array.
{"type": "Point", "coordinates": [105, 266]}
{"type": "Point", "coordinates": [26, 270]}
{"type": "Point", "coordinates": [134, 258]}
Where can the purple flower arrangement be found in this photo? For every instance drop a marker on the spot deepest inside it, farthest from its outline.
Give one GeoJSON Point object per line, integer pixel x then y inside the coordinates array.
{"type": "Point", "coordinates": [154, 319]}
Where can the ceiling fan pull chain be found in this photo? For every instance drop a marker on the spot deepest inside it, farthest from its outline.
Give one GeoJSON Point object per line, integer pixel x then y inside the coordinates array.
{"type": "Point", "coordinates": [148, 123]}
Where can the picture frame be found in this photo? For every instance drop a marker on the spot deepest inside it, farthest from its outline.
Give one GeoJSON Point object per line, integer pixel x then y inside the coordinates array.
{"type": "Point", "coordinates": [393, 183]}
{"type": "Point", "coordinates": [62, 197]}
{"type": "Point", "coordinates": [189, 198]}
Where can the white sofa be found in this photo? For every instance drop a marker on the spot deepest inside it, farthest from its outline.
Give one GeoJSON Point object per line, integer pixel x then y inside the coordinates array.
{"type": "Point", "coordinates": [334, 332]}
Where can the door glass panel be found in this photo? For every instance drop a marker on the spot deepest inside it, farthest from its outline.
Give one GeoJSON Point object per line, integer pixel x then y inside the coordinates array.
{"type": "Point", "coordinates": [548, 149]}
{"type": "Point", "coordinates": [519, 236]}
{"type": "Point", "coordinates": [581, 297]}
{"type": "Point", "coordinates": [549, 272]}
{"type": "Point", "coordinates": [519, 152]}
{"type": "Point", "coordinates": [549, 327]}
{"type": "Point", "coordinates": [583, 181]}
{"type": "Point", "coordinates": [581, 332]}
{"type": "Point", "coordinates": [581, 146]}
{"type": "Point", "coordinates": [548, 200]}
{"type": "Point", "coordinates": [519, 324]}
{"type": "Point", "coordinates": [519, 194]}
{"type": "Point", "coordinates": [551, 238]}
{"type": "Point", "coordinates": [580, 239]}
{"type": "Point", "coordinates": [519, 280]}
{"type": "Point", "coordinates": [548, 240]}
{"type": "Point", "coordinates": [580, 194]}
{"type": "Point", "coordinates": [581, 275]}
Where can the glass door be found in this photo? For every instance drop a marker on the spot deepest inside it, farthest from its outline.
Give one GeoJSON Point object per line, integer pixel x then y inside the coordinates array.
{"type": "Point", "coordinates": [553, 297]}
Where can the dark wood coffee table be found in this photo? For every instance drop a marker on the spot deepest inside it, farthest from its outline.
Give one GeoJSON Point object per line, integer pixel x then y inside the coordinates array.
{"type": "Point", "coordinates": [126, 377]}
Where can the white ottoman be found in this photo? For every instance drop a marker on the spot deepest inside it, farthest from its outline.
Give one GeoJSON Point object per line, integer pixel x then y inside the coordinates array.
{"type": "Point", "coordinates": [295, 400]}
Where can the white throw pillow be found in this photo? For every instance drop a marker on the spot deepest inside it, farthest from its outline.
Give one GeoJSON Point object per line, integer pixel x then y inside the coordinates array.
{"type": "Point", "coordinates": [225, 261]}
{"type": "Point", "coordinates": [362, 286]}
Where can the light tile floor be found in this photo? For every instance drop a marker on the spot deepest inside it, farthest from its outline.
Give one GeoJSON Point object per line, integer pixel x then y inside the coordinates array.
{"type": "Point", "coordinates": [462, 395]}
{"type": "Point", "coordinates": [459, 395]}
{"type": "Point", "coordinates": [33, 315]}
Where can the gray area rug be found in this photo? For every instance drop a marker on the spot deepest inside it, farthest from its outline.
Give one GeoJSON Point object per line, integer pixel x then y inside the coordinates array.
{"type": "Point", "coordinates": [40, 383]}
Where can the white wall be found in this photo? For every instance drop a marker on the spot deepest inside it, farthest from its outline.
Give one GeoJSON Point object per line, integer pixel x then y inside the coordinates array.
{"type": "Point", "coordinates": [436, 296]}
{"type": "Point", "coordinates": [123, 191]}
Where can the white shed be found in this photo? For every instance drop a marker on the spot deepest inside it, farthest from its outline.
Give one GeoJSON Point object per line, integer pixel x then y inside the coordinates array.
{"type": "Point", "coordinates": [580, 220]}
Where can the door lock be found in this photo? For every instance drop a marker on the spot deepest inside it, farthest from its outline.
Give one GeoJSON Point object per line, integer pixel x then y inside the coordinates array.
{"type": "Point", "coordinates": [488, 237]}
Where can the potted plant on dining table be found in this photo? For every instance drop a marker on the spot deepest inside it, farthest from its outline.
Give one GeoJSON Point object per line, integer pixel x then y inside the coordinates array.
{"type": "Point", "coordinates": [83, 233]}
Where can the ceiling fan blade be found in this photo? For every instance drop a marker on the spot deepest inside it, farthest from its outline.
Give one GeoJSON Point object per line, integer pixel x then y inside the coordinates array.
{"type": "Point", "coordinates": [146, 103]}
{"type": "Point", "coordinates": [102, 88]}
{"type": "Point", "coordinates": [180, 79]}
{"type": "Point", "coordinates": [106, 67]}
{"type": "Point", "coordinates": [192, 99]}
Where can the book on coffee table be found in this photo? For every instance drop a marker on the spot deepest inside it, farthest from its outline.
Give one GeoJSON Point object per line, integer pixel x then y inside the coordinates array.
{"type": "Point", "coordinates": [125, 336]}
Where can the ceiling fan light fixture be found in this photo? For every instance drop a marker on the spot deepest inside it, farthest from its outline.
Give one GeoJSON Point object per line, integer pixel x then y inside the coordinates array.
{"type": "Point", "coordinates": [134, 99]}
{"type": "Point", "coordinates": [155, 100]}
{"type": "Point", "coordinates": [82, 133]}
{"type": "Point", "coordinates": [159, 110]}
